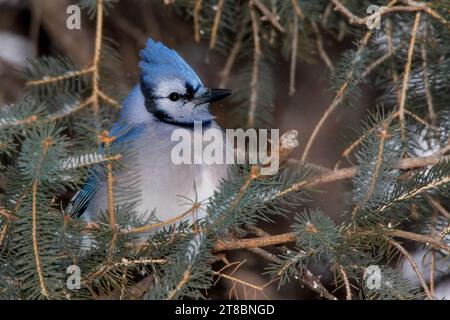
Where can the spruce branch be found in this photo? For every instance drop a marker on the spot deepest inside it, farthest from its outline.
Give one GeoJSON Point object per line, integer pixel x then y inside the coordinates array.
{"type": "Point", "coordinates": [197, 9]}
{"type": "Point", "coordinates": [346, 153]}
{"type": "Point", "coordinates": [412, 6]}
{"type": "Point", "coordinates": [235, 50]}
{"type": "Point", "coordinates": [433, 255]}
{"type": "Point", "coordinates": [107, 141]}
{"type": "Point", "coordinates": [320, 47]}
{"type": "Point", "coordinates": [66, 76]}
{"type": "Point", "coordinates": [374, 177]}
{"type": "Point", "coordinates": [236, 281]}
{"type": "Point", "coordinates": [46, 143]}
{"type": "Point", "coordinates": [346, 173]}
{"type": "Point", "coordinates": [37, 259]}
{"type": "Point", "coordinates": [283, 238]}
{"type": "Point", "coordinates": [93, 71]}
{"type": "Point", "coordinates": [3, 234]}
{"type": "Point", "coordinates": [439, 207]}
{"type": "Point", "coordinates": [294, 51]}
{"type": "Point", "coordinates": [426, 81]}
{"type": "Point", "coordinates": [401, 107]}
{"type": "Point", "coordinates": [153, 226]}
{"type": "Point", "coordinates": [304, 276]}
{"type": "Point", "coordinates": [414, 266]}
{"type": "Point", "coordinates": [216, 24]}
{"type": "Point", "coordinates": [255, 67]}
{"type": "Point", "coordinates": [348, 289]}
{"type": "Point", "coordinates": [268, 15]}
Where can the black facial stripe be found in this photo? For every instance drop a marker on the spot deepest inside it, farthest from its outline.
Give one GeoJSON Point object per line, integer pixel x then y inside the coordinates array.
{"type": "Point", "coordinates": [149, 100]}
{"type": "Point", "coordinates": [190, 91]}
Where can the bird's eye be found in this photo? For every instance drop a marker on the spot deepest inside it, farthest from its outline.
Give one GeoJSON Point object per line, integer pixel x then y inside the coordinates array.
{"type": "Point", "coordinates": [174, 96]}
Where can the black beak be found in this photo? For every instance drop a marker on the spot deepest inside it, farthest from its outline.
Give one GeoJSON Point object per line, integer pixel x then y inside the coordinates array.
{"type": "Point", "coordinates": [212, 95]}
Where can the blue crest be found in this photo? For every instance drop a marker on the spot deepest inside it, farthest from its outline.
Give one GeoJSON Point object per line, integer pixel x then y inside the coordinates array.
{"type": "Point", "coordinates": [159, 62]}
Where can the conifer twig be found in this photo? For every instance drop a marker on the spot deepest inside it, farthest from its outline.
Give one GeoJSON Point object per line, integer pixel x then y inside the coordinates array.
{"type": "Point", "coordinates": [346, 173]}
{"type": "Point", "coordinates": [183, 281]}
{"type": "Point", "coordinates": [346, 282]}
{"type": "Point", "coordinates": [97, 55]}
{"type": "Point", "coordinates": [197, 9]}
{"type": "Point", "coordinates": [433, 254]}
{"type": "Point", "coordinates": [236, 280]}
{"type": "Point", "coordinates": [107, 141]}
{"type": "Point", "coordinates": [37, 259]}
{"type": "Point", "coordinates": [268, 15]}
{"type": "Point", "coordinates": [93, 70]}
{"type": "Point", "coordinates": [65, 76]}
{"type": "Point", "coordinates": [231, 60]}
{"type": "Point", "coordinates": [439, 207]}
{"type": "Point", "coordinates": [3, 234]}
{"type": "Point", "coordinates": [216, 23]}
{"type": "Point", "coordinates": [305, 277]}
{"type": "Point", "coordinates": [336, 101]}
{"type": "Point", "coordinates": [414, 266]}
{"type": "Point", "coordinates": [255, 67]}
{"type": "Point", "coordinates": [152, 226]}
{"type": "Point", "coordinates": [272, 240]}
{"type": "Point", "coordinates": [382, 134]}
{"type": "Point", "coordinates": [411, 7]}
{"type": "Point", "coordinates": [46, 143]}
{"type": "Point", "coordinates": [294, 51]}
{"type": "Point", "coordinates": [320, 48]}
{"type": "Point", "coordinates": [401, 107]}
{"type": "Point", "coordinates": [426, 83]}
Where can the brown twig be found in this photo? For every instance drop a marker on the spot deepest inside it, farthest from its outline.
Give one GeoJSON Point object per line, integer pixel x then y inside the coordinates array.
{"type": "Point", "coordinates": [216, 23]}
{"type": "Point", "coordinates": [180, 285]}
{"type": "Point", "coordinates": [37, 258]}
{"type": "Point", "coordinates": [305, 277]}
{"type": "Point", "coordinates": [46, 143]}
{"type": "Point", "coordinates": [152, 226]}
{"type": "Point", "coordinates": [93, 70]}
{"type": "Point", "coordinates": [293, 67]}
{"type": "Point", "coordinates": [336, 101]}
{"type": "Point", "coordinates": [197, 9]}
{"type": "Point", "coordinates": [66, 76]}
{"type": "Point", "coordinates": [268, 15]}
{"type": "Point", "coordinates": [272, 240]}
{"type": "Point", "coordinates": [411, 7]}
{"type": "Point", "coordinates": [107, 141]}
{"type": "Point", "coordinates": [439, 207]}
{"type": "Point", "coordinates": [231, 60]}
{"type": "Point", "coordinates": [348, 289]}
{"type": "Point", "coordinates": [426, 83]}
{"type": "Point", "coordinates": [335, 175]}
{"type": "Point", "coordinates": [433, 253]}
{"type": "Point", "coordinates": [414, 266]}
{"type": "Point", "coordinates": [3, 234]}
{"type": "Point", "coordinates": [236, 280]}
{"type": "Point", "coordinates": [383, 134]}
{"type": "Point", "coordinates": [401, 107]}
{"type": "Point", "coordinates": [320, 48]}
{"type": "Point", "coordinates": [255, 67]}
{"type": "Point", "coordinates": [8, 215]}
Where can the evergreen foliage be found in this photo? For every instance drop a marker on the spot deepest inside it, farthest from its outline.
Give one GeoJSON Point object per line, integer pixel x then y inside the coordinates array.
{"type": "Point", "coordinates": [56, 139]}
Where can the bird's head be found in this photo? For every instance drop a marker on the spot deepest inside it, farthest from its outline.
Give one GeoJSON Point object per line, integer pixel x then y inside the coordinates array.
{"type": "Point", "coordinates": [173, 92]}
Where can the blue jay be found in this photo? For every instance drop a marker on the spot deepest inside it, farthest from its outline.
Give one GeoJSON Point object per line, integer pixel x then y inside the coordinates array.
{"type": "Point", "coordinates": [170, 96]}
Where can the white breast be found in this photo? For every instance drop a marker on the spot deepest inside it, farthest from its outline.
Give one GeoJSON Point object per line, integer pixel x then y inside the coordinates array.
{"type": "Point", "coordinates": [168, 188]}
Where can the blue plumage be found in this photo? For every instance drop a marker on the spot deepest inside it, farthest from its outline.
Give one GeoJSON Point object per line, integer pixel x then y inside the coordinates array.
{"type": "Point", "coordinates": [170, 96]}
{"type": "Point", "coordinates": [159, 62]}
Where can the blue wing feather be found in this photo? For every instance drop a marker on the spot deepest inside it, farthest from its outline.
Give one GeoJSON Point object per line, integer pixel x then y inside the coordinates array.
{"type": "Point", "coordinates": [80, 201]}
